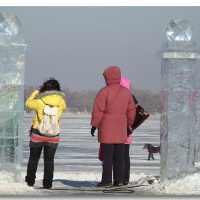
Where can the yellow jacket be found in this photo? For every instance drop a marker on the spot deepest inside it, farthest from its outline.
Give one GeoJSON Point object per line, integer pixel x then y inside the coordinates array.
{"type": "Point", "coordinates": [38, 100]}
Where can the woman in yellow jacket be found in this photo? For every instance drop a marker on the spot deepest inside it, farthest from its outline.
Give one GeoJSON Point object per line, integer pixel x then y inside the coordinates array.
{"type": "Point", "coordinates": [48, 94]}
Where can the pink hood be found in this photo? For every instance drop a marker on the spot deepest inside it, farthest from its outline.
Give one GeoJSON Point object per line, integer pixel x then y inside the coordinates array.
{"type": "Point", "coordinates": [126, 82]}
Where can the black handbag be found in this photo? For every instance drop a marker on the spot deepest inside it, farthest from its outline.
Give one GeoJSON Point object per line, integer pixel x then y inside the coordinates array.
{"type": "Point", "coordinates": [140, 117]}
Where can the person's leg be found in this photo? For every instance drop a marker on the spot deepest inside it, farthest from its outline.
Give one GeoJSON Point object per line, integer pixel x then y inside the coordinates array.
{"type": "Point", "coordinates": [118, 164]}
{"type": "Point", "coordinates": [107, 150]}
{"type": "Point", "coordinates": [49, 153]}
{"type": "Point", "coordinates": [149, 156]}
{"type": "Point", "coordinates": [34, 157]}
{"type": "Point", "coordinates": [126, 164]}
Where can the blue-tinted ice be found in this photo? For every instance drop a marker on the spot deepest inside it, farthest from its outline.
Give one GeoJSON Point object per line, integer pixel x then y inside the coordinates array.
{"type": "Point", "coordinates": [12, 67]}
{"type": "Point", "coordinates": [178, 101]}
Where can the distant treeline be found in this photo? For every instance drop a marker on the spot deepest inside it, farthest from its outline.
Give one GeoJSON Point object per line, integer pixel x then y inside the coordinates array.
{"type": "Point", "coordinates": [83, 101]}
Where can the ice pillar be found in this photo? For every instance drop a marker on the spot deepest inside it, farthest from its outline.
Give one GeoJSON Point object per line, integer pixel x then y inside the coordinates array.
{"type": "Point", "coordinates": [12, 64]}
{"type": "Point", "coordinates": [178, 100]}
{"type": "Point", "coordinates": [197, 138]}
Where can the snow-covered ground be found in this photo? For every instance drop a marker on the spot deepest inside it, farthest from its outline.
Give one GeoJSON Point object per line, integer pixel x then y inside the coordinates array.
{"type": "Point", "coordinates": [77, 165]}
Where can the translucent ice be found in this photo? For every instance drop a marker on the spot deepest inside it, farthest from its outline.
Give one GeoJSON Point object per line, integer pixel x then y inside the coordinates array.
{"type": "Point", "coordinates": [178, 100]}
{"type": "Point", "coordinates": [197, 138]}
{"type": "Point", "coordinates": [12, 64]}
{"type": "Point", "coordinates": [179, 49]}
{"type": "Point", "coordinates": [9, 24]}
{"type": "Point", "coordinates": [179, 30]}
{"type": "Point", "coordinates": [181, 54]}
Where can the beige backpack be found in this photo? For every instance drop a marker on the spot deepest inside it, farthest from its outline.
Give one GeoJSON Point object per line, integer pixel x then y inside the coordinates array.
{"type": "Point", "coordinates": [49, 125]}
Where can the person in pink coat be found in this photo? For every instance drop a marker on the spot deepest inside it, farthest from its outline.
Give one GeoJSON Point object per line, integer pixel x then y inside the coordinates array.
{"type": "Point", "coordinates": [126, 82]}
{"type": "Point", "coordinates": [113, 111]}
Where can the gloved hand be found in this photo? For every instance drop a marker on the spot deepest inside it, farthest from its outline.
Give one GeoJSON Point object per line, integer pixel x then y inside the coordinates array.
{"type": "Point", "coordinates": [93, 130]}
{"type": "Point", "coordinates": [129, 130]}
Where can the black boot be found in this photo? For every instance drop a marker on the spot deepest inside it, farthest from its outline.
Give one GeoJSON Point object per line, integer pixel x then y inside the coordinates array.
{"type": "Point", "coordinates": [29, 181]}
{"type": "Point", "coordinates": [117, 184]}
{"type": "Point", "coordinates": [47, 184]}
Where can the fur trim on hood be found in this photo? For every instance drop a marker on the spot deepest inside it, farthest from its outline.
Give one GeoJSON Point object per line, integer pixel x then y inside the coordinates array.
{"type": "Point", "coordinates": [50, 92]}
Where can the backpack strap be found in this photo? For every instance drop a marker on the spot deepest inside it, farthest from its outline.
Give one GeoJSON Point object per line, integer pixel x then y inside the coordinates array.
{"type": "Point", "coordinates": [37, 112]}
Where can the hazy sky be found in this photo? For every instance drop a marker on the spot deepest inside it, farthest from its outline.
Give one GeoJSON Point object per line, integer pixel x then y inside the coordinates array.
{"type": "Point", "coordinates": [76, 44]}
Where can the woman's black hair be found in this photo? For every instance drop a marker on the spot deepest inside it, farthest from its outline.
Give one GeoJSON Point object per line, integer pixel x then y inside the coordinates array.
{"type": "Point", "coordinates": [50, 84]}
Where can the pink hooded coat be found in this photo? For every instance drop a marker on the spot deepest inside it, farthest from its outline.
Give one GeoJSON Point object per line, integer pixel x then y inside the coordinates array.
{"type": "Point", "coordinates": [113, 109]}
{"type": "Point", "coordinates": [126, 82]}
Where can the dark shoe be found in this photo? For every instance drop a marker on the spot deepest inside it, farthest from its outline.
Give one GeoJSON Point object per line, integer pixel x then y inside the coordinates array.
{"type": "Point", "coordinates": [125, 183]}
{"type": "Point", "coordinates": [47, 184]}
{"type": "Point", "coordinates": [117, 184]}
{"type": "Point", "coordinates": [30, 184]}
{"type": "Point", "coordinates": [47, 187]}
{"type": "Point", "coordinates": [29, 181]}
{"type": "Point", "coordinates": [104, 184]}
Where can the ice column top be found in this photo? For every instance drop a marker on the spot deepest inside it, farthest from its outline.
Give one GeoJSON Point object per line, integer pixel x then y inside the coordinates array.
{"type": "Point", "coordinates": [179, 30]}
{"type": "Point", "coordinates": [179, 46]}
{"type": "Point", "coordinates": [9, 24]}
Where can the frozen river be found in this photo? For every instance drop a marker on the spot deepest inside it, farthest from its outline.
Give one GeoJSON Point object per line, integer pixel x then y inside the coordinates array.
{"type": "Point", "coordinates": [77, 164]}
{"type": "Point", "coordinates": [76, 159]}
{"type": "Point", "coordinates": [78, 150]}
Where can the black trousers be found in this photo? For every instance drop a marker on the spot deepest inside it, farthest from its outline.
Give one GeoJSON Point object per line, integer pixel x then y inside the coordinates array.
{"type": "Point", "coordinates": [126, 163]}
{"type": "Point", "coordinates": [113, 161]}
{"type": "Point", "coordinates": [35, 153]}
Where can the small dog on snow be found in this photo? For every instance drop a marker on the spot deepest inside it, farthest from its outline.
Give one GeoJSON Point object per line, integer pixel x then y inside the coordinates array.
{"type": "Point", "coordinates": [151, 149]}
